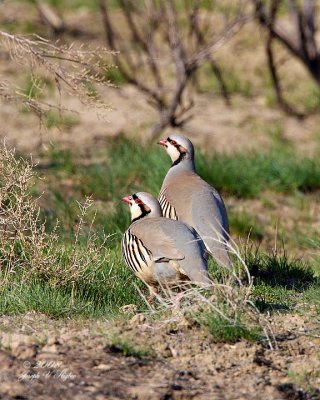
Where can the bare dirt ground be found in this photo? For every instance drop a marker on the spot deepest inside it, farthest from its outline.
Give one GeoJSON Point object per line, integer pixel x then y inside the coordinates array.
{"type": "Point", "coordinates": [48, 359]}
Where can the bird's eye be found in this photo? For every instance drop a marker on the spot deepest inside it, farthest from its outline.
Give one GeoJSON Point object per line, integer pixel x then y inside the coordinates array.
{"type": "Point", "coordinates": [173, 142]}
{"type": "Point", "coordinates": [138, 201]}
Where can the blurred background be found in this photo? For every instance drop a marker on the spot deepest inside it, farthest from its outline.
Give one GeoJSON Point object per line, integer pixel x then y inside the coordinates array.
{"type": "Point", "coordinates": [87, 88]}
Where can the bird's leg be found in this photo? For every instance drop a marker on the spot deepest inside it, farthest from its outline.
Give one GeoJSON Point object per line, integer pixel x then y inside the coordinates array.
{"type": "Point", "coordinates": [153, 291]}
{"type": "Point", "coordinates": [176, 300]}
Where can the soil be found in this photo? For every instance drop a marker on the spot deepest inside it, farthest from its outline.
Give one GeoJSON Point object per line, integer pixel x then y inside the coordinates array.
{"type": "Point", "coordinates": [49, 359]}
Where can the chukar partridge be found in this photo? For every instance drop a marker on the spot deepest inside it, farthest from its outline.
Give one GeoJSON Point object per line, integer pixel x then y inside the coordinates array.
{"type": "Point", "coordinates": [186, 197]}
{"type": "Point", "coordinates": [160, 250]}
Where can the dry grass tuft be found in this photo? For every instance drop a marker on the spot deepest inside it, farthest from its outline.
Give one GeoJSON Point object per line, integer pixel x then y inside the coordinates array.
{"type": "Point", "coordinates": [228, 312]}
{"type": "Point", "coordinates": [26, 247]}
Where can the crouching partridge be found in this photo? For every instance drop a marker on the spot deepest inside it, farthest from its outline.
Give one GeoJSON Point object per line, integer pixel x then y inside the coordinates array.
{"type": "Point", "coordinates": [186, 197]}
{"type": "Point", "coordinates": [161, 251]}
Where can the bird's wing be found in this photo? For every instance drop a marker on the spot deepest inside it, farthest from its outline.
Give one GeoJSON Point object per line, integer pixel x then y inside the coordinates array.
{"type": "Point", "coordinates": [209, 212]}
{"type": "Point", "coordinates": [188, 242]}
{"type": "Point", "coordinates": [168, 239]}
{"type": "Point", "coordinates": [153, 232]}
{"type": "Point", "coordinates": [211, 222]}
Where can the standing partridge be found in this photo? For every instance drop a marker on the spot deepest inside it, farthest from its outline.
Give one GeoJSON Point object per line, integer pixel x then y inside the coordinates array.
{"type": "Point", "coordinates": [185, 196]}
{"type": "Point", "coordinates": [161, 251]}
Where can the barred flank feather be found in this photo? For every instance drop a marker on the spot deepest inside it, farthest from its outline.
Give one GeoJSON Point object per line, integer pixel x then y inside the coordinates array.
{"type": "Point", "coordinates": [136, 255]}
{"type": "Point", "coordinates": [167, 209]}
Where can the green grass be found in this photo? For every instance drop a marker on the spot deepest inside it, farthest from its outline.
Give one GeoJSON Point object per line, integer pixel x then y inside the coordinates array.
{"type": "Point", "coordinates": [312, 297]}
{"type": "Point", "coordinates": [280, 270]}
{"type": "Point", "coordinates": [306, 379]}
{"type": "Point", "coordinates": [242, 175]}
{"type": "Point", "coordinates": [245, 225]}
{"type": "Point", "coordinates": [74, 4]}
{"type": "Point", "coordinates": [123, 167]}
{"type": "Point", "coordinates": [311, 101]}
{"type": "Point", "coordinates": [109, 288]}
{"type": "Point", "coordinates": [280, 282]}
{"type": "Point", "coordinates": [91, 90]}
{"type": "Point", "coordinates": [128, 348]}
{"type": "Point", "coordinates": [127, 166]}
{"type": "Point", "coordinates": [62, 160]}
{"type": "Point", "coordinates": [56, 119]}
{"type": "Point", "coordinates": [36, 88]}
{"type": "Point", "coordinates": [274, 298]}
{"type": "Point", "coordinates": [247, 175]}
{"type": "Point", "coordinates": [114, 75]}
{"type": "Point", "coordinates": [225, 331]}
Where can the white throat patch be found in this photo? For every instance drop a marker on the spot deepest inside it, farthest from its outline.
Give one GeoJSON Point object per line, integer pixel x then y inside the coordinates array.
{"type": "Point", "coordinates": [135, 211]}
{"type": "Point", "coordinates": [173, 152]}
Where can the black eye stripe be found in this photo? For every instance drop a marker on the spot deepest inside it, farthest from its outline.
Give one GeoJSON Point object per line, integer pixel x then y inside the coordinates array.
{"type": "Point", "coordinates": [137, 200]}
{"type": "Point", "coordinates": [173, 142]}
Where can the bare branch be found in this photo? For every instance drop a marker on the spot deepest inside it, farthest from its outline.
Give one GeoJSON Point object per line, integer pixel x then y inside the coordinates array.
{"type": "Point", "coordinates": [145, 41]}
{"type": "Point", "coordinates": [183, 51]}
{"type": "Point", "coordinates": [301, 45]}
{"type": "Point", "coordinates": [277, 32]}
{"type": "Point", "coordinates": [200, 40]}
{"type": "Point", "coordinates": [130, 77]}
{"type": "Point", "coordinates": [70, 68]}
{"type": "Point", "coordinates": [50, 17]}
{"type": "Point", "coordinates": [207, 50]}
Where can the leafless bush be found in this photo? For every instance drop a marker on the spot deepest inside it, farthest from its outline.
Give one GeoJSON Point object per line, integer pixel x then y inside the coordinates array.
{"type": "Point", "coordinates": [167, 38]}
{"type": "Point", "coordinates": [26, 246]}
{"type": "Point", "coordinates": [299, 38]}
{"type": "Point", "coordinates": [71, 68]}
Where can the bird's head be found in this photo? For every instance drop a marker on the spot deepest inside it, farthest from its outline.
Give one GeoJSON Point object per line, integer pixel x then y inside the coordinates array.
{"type": "Point", "coordinates": [178, 147]}
{"type": "Point", "coordinates": [142, 205]}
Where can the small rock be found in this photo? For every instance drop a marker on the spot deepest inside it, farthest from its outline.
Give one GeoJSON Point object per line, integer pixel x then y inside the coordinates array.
{"type": "Point", "coordinates": [186, 322]}
{"type": "Point", "coordinates": [103, 367]}
{"type": "Point", "coordinates": [143, 392]}
{"type": "Point", "coordinates": [48, 357]}
{"type": "Point", "coordinates": [53, 348]}
{"type": "Point", "coordinates": [129, 309]}
{"type": "Point", "coordinates": [8, 389]}
{"type": "Point", "coordinates": [174, 352]}
{"type": "Point", "coordinates": [80, 397]}
{"type": "Point", "coordinates": [171, 328]}
{"type": "Point", "coordinates": [52, 340]}
{"type": "Point", "coordinates": [14, 340]}
{"type": "Point", "coordinates": [25, 352]}
{"type": "Point", "coordinates": [90, 389]}
{"type": "Point", "coordinates": [137, 319]}
{"type": "Point", "coordinates": [164, 350]}
{"type": "Point", "coordinates": [6, 359]}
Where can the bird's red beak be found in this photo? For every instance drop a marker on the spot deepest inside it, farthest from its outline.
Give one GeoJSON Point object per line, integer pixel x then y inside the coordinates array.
{"type": "Point", "coordinates": [126, 199]}
{"type": "Point", "coordinates": [163, 142]}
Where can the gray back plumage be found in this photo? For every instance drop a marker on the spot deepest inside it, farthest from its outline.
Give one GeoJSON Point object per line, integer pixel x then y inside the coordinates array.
{"type": "Point", "coordinates": [184, 195]}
